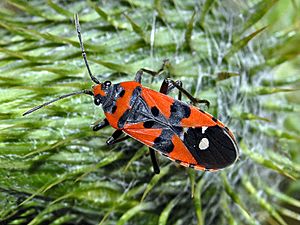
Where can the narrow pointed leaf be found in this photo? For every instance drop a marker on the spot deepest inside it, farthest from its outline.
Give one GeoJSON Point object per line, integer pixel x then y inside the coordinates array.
{"type": "Point", "coordinates": [189, 30]}
{"type": "Point", "coordinates": [261, 8]}
{"type": "Point", "coordinates": [205, 9]}
{"type": "Point", "coordinates": [265, 162]}
{"type": "Point", "coordinates": [59, 9]}
{"type": "Point", "coordinates": [137, 29]}
{"type": "Point", "coordinates": [132, 212]}
{"type": "Point", "coordinates": [155, 179]}
{"type": "Point", "coordinates": [242, 43]}
{"type": "Point", "coordinates": [263, 202]}
{"type": "Point", "coordinates": [167, 210]}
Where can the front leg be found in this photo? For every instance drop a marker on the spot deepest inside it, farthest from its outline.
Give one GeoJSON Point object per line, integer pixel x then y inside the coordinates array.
{"type": "Point", "coordinates": [102, 124]}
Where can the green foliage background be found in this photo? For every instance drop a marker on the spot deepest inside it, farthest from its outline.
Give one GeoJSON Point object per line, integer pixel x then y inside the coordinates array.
{"type": "Point", "coordinates": [243, 56]}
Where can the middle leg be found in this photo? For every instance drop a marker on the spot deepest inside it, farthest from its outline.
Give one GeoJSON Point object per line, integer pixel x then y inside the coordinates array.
{"type": "Point", "coordinates": [165, 89]}
{"type": "Point", "coordinates": [115, 137]}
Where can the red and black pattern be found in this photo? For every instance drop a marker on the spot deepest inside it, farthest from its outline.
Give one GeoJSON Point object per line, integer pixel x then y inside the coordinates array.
{"type": "Point", "coordinates": [181, 132]}
{"type": "Point", "coordinates": [169, 131]}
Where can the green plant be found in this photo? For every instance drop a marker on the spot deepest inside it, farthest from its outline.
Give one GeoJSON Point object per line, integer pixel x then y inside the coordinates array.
{"type": "Point", "coordinates": [55, 170]}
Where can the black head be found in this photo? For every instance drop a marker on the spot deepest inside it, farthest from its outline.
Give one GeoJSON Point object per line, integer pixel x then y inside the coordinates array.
{"type": "Point", "coordinates": [101, 92]}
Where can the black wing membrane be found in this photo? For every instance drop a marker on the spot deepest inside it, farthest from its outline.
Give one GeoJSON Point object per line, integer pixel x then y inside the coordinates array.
{"type": "Point", "coordinates": [212, 147]}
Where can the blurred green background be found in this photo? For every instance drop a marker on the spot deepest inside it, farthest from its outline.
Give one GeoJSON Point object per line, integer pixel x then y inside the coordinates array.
{"type": "Point", "coordinates": [243, 56]}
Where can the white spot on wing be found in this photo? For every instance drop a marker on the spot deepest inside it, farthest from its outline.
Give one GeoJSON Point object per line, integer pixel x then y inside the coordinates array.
{"type": "Point", "coordinates": [185, 129]}
{"type": "Point", "coordinates": [204, 129]}
{"type": "Point", "coordinates": [204, 144]}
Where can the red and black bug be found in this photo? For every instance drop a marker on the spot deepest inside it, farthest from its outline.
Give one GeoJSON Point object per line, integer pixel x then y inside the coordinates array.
{"type": "Point", "coordinates": [180, 132]}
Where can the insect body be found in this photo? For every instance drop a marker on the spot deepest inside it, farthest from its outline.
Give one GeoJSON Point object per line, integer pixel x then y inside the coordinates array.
{"type": "Point", "coordinates": [181, 132]}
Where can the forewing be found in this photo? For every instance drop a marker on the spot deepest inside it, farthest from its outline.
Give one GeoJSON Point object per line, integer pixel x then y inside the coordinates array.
{"type": "Point", "coordinates": [177, 112]}
{"type": "Point", "coordinates": [183, 133]}
{"type": "Point", "coordinates": [164, 140]}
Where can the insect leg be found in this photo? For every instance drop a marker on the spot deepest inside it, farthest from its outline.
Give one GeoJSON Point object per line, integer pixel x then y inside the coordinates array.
{"type": "Point", "coordinates": [115, 137]}
{"type": "Point", "coordinates": [119, 140]}
{"type": "Point", "coordinates": [102, 124]}
{"type": "Point", "coordinates": [194, 100]}
{"type": "Point", "coordinates": [139, 74]}
{"type": "Point", "coordinates": [154, 161]}
{"type": "Point", "coordinates": [180, 93]}
{"type": "Point", "coordinates": [166, 87]}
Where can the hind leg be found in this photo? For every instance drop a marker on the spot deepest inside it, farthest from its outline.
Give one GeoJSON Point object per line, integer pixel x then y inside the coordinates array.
{"type": "Point", "coordinates": [169, 84]}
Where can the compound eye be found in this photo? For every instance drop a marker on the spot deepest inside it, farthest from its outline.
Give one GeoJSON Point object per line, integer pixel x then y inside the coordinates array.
{"type": "Point", "coordinates": [107, 83]}
{"type": "Point", "coordinates": [97, 101]}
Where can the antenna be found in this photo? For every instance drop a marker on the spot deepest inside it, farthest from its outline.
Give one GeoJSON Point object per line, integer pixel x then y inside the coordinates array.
{"type": "Point", "coordinates": [77, 25]}
{"type": "Point", "coordinates": [94, 79]}
{"type": "Point", "coordinates": [88, 92]}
